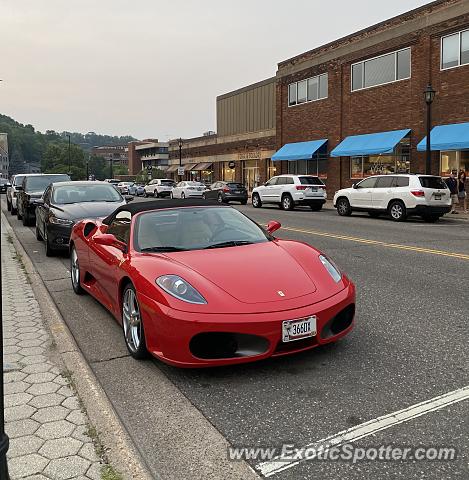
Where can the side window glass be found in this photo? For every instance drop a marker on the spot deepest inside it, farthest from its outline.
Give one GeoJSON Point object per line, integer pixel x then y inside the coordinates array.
{"type": "Point", "coordinates": [281, 181]}
{"type": "Point", "coordinates": [289, 180]}
{"type": "Point", "coordinates": [402, 182]}
{"type": "Point", "coordinates": [367, 183]}
{"type": "Point", "coordinates": [385, 182]}
{"type": "Point", "coordinates": [120, 226]}
{"type": "Point", "coordinates": [272, 181]}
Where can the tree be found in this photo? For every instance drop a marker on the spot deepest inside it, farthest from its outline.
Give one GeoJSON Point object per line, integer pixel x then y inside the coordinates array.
{"type": "Point", "coordinates": [56, 160]}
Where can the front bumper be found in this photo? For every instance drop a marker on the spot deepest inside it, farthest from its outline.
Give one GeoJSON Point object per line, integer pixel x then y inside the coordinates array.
{"type": "Point", "coordinates": [59, 235]}
{"type": "Point", "coordinates": [169, 332]}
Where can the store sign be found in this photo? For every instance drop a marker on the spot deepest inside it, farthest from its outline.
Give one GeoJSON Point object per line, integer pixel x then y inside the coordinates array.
{"type": "Point", "coordinates": [255, 155]}
{"type": "Point", "coordinates": [231, 164]}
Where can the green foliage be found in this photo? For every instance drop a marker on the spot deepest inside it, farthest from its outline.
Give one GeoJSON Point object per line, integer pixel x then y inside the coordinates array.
{"type": "Point", "coordinates": [28, 145]}
{"type": "Point", "coordinates": [58, 159]}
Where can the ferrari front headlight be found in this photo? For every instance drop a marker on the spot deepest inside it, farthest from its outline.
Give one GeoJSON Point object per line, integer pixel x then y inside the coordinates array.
{"type": "Point", "coordinates": [333, 270]}
{"type": "Point", "coordinates": [180, 289]}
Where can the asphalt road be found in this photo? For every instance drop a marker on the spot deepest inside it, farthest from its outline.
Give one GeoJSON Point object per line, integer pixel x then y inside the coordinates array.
{"type": "Point", "coordinates": [409, 346]}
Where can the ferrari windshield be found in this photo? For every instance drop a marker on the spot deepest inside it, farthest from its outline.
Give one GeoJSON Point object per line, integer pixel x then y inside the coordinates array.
{"type": "Point", "coordinates": [194, 229]}
{"type": "Point", "coordinates": [65, 194]}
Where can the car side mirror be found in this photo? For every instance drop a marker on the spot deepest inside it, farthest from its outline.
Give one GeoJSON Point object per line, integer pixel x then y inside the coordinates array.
{"type": "Point", "coordinates": [272, 226]}
{"type": "Point", "coordinates": [129, 198]}
{"type": "Point", "coordinates": [19, 187]}
{"type": "Point", "coordinates": [38, 201]}
{"type": "Point", "coordinates": [355, 185]}
{"type": "Point", "coordinates": [109, 240]}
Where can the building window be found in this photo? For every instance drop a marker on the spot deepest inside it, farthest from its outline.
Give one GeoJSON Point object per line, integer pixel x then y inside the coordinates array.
{"type": "Point", "coordinates": [309, 90]}
{"type": "Point", "coordinates": [455, 50]}
{"type": "Point", "coordinates": [366, 165]}
{"type": "Point", "coordinates": [381, 70]}
{"type": "Point", "coordinates": [454, 160]}
{"type": "Point", "coordinates": [316, 166]}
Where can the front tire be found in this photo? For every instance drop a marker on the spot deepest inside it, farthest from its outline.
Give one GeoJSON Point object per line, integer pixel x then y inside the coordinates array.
{"type": "Point", "coordinates": [397, 211]}
{"type": "Point", "coordinates": [343, 207]}
{"type": "Point", "coordinates": [204, 197]}
{"type": "Point", "coordinates": [156, 194]}
{"type": "Point", "coordinates": [183, 195]}
{"type": "Point", "coordinates": [220, 198]}
{"type": "Point", "coordinates": [13, 210]}
{"type": "Point", "coordinates": [49, 249]}
{"type": "Point", "coordinates": [256, 200]}
{"type": "Point", "coordinates": [75, 272]}
{"type": "Point", "coordinates": [18, 214]}
{"type": "Point", "coordinates": [38, 233]}
{"type": "Point", "coordinates": [8, 205]}
{"type": "Point", "coordinates": [26, 219]}
{"type": "Point", "coordinates": [134, 333]}
{"type": "Point", "coordinates": [145, 194]}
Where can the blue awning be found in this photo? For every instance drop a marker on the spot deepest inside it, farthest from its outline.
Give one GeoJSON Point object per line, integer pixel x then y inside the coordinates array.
{"type": "Point", "coordinates": [298, 151]}
{"type": "Point", "coordinates": [447, 137]}
{"type": "Point", "coordinates": [369, 144]}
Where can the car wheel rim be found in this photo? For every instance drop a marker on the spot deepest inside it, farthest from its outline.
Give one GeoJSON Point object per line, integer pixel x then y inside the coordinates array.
{"type": "Point", "coordinates": [220, 199]}
{"type": "Point", "coordinates": [286, 203]}
{"type": "Point", "coordinates": [75, 269]}
{"type": "Point", "coordinates": [254, 200]}
{"type": "Point", "coordinates": [342, 207]}
{"type": "Point", "coordinates": [131, 320]}
{"type": "Point", "coordinates": [396, 211]}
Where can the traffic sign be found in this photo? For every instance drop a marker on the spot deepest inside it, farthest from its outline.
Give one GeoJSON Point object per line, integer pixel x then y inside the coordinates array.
{"type": "Point", "coordinates": [149, 167]}
{"type": "Point", "coordinates": [180, 171]}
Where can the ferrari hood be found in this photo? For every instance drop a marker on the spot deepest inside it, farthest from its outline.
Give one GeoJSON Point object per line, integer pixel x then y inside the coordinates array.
{"type": "Point", "coordinates": [258, 273]}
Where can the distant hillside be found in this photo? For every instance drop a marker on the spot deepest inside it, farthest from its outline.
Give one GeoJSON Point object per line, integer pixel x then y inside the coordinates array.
{"type": "Point", "coordinates": [28, 145]}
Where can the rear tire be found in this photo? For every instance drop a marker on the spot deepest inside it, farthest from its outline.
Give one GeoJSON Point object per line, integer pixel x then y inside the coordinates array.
{"type": "Point", "coordinates": [132, 323]}
{"type": "Point", "coordinates": [75, 272]}
{"type": "Point", "coordinates": [18, 215]}
{"type": "Point", "coordinates": [256, 200]}
{"type": "Point", "coordinates": [13, 210]}
{"type": "Point", "coordinates": [397, 211]}
{"type": "Point", "coordinates": [204, 197]}
{"type": "Point", "coordinates": [8, 205]}
{"type": "Point", "coordinates": [183, 195]}
{"type": "Point", "coordinates": [343, 207]}
{"type": "Point", "coordinates": [287, 202]}
{"type": "Point", "coordinates": [220, 198]}
{"type": "Point", "coordinates": [145, 194]}
{"type": "Point", "coordinates": [156, 194]}
{"type": "Point", "coordinates": [26, 219]}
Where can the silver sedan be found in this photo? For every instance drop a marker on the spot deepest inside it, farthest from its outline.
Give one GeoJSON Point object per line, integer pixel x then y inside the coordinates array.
{"type": "Point", "coordinates": [186, 189]}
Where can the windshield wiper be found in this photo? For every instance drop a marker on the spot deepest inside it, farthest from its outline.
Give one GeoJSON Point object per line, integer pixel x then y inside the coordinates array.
{"type": "Point", "coordinates": [163, 249]}
{"type": "Point", "coordinates": [230, 243]}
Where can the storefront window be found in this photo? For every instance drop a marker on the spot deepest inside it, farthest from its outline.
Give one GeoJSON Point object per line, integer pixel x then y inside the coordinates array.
{"type": "Point", "coordinates": [454, 160]}
{"type": "Point", "coordinates": [316, 166]}
{"type": "Point", "coordinates": [206, 176]}
{"type": "Point", "coordinates": [250, 174]}
{"type": "Point", "coordinates": [271, 169]}
{"type": "Point", "coordinates": [229, 172]}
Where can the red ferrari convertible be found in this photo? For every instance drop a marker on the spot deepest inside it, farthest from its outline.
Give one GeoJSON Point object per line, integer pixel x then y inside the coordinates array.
{"type": "Point", "coordinates": [199, 284]}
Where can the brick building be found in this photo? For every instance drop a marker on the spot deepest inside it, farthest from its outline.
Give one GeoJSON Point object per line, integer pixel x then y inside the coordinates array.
{"type": "Point", "coordinates": [242, 148]}
{"type": "Point", "coordinates": [372, 82]}
{"type": "Point", "coordinates": [116, 153]}
{"type": "Point", "coordinates": [142, 154]}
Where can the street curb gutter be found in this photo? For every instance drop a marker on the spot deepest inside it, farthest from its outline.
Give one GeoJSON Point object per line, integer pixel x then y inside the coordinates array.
{"type": "Point", "coordinates": [119, 447]}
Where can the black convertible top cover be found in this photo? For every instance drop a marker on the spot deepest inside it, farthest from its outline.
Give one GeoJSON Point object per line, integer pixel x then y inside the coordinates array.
{"type": "Point", "coordinates": [138, 207]}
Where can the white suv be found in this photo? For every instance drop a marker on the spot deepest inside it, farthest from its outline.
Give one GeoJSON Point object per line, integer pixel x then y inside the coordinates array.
{"type": "Point", "coordinates": [12, 192]}
{"type": "Point", "coordinates": [160, 187]}
{"type": "Point", "coordinates": [290, 190]}
{"type": "Point", "coordinates": [399, 196]}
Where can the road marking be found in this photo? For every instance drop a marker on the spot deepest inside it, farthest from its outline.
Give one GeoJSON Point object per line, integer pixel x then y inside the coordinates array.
{"type": "Point", "coordinates": [371, 427]}
{"type": "Point", "coordinates": [367, 241]}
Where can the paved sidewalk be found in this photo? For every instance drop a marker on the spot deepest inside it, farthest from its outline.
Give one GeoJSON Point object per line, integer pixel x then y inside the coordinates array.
{"type": "Point", "coordinates": [48, 430]}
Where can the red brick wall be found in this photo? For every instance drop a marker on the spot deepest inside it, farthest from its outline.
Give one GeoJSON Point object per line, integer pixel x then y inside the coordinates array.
{"type": "Point", "coordinates": [393, 106]}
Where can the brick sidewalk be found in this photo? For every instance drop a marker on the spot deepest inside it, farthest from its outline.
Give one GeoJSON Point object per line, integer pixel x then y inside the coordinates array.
{"type": "Point", "coordinates": [46, 426]}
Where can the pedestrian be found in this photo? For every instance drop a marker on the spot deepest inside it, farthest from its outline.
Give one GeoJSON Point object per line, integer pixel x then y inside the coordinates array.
{"type": "Point", "coordinates": [462, 194]}
{"type": "Point", "coordinates": [452, 184]}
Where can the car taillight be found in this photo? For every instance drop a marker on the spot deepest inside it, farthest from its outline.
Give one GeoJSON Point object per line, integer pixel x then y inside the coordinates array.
{"type": "Point", "coordinates": [417, 193]}
{"type": "Point", "coordinates": [301, 187]}
{"type": "Point", "coordinates": [322, 186]}
{"type": "Point", "coordinates": [226, 189]}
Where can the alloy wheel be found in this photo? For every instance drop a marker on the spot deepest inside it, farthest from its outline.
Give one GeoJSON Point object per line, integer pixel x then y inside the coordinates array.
{"type": "Point", "coordinates": [397, 211]}
{"type": "Point", "coordinates": [131, 320]}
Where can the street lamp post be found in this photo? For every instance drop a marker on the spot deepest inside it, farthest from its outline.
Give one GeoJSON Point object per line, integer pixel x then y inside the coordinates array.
{"type": "Point", "coordinates": [180, 144]}
{"type": "Point", "coordinates": [429, 95]}
{"type": "Point", "coordinates": [69, 156]}
{"type": "Point", "coordinates": [111, 175]}
{"type": "Point", "coordinates": [88, 168]}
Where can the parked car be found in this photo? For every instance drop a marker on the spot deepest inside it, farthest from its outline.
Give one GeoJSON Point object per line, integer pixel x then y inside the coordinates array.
{"type": "Point", "coordinates": [32, 188]}
{"type": "Point", "coordinates": [123, 187]}
{"type": "Point", "coordinates": [65, 203]}
{"type": "Point", "coordinates": [161, 269]}
{"type": "Point", "coordinates": [12, 192]}
{"type": "Point", "coordinates": [291, 190]}
{"type": "Point", "coordinates": [159, 187]}
{"type": "Point", "coordinates": [136, 189]}
{"type": "Point", "coordinates": [400, 196]}
{"type": "Point", "coordinates": [225, 192]}
{"type": "Point", "coordinates": [4, 184]}
{"type": "Point", "coordinates": [114, 181]}
{"type": "Point", "coordinates": [187, 189]}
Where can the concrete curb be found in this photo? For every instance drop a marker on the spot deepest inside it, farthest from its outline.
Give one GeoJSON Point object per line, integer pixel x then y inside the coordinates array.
{"type": "Point", "coordinates": [120, 449]}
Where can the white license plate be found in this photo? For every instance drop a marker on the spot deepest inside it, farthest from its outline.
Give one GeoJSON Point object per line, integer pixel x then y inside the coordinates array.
{"type": "Point", "coordinates": [437, 197]}
{"type": "Point", "coordinates": [298, 329]}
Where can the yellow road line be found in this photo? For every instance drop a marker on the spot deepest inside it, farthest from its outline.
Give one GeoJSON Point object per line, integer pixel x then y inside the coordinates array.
{"type": "Point", "coordinates": [443, 253]}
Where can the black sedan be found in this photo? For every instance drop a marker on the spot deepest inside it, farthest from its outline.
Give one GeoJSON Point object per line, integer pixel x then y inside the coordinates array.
{"type": "Point", "coordinates": [4, 184]}
{"type": "Point", "coordinates": [226, 192]}
{"type": "Point", "coordinates": [65, 203]}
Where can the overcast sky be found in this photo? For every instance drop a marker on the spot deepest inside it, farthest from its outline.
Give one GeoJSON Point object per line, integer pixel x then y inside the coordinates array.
{"type": "Point", "coordinates": [152, 68]}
